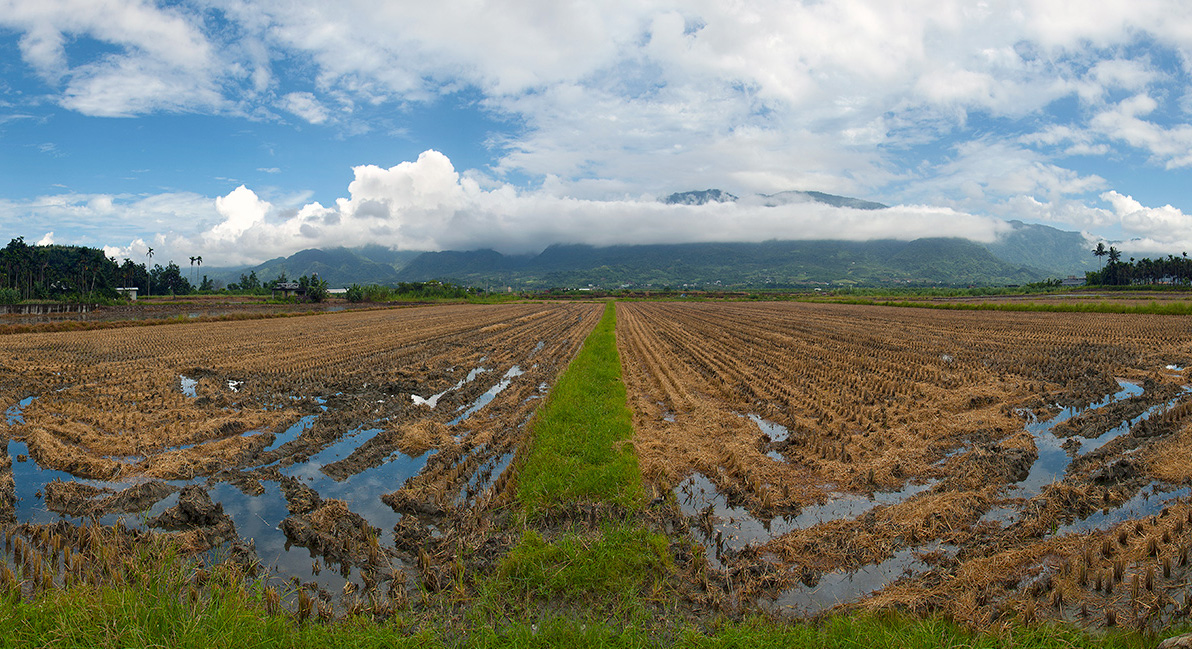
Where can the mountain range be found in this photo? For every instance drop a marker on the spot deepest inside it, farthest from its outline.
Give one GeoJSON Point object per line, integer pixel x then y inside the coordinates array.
{"type": "Point", "coordinates": [1028, 253]}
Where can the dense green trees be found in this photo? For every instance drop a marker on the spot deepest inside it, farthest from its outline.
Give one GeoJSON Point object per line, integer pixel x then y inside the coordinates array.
{"type": "Point", "coordinates": [56, 273]}
{"type": "Point", "coordinates": [78, 273]}
{"type": "Point", "coordinates": [1162, 270]}
{"type": "Point", "coordinates": [408, 291]}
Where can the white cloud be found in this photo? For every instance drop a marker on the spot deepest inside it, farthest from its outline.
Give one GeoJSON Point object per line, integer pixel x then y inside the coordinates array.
{"type": "Point", "coordinates": [427, 205]}
{"type": "Point", "coordinates": [304, 105]}
{"type": "Point", "coordinates": [163, 60]}
{"type": "Point", "coordinates": [46, 240]}
{"type": "Point", "coordinates": [1124, 121]}
{"type": "Point", "coordinates": [1165, 222]}
{"type": "Point", "coordinates": [241, 210]}
{"type": "Point", "coordinates": [620, 99]}
{"type": "Point", "coordinates": [100, 219]}
{"type": "Point", "coordinates": [985, 173]}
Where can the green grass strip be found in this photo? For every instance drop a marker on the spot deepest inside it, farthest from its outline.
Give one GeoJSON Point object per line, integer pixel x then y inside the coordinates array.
{"type": "Point", "coordinates": [575, 454]}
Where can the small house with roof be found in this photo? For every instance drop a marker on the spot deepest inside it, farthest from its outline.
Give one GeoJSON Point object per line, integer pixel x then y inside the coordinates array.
{"type": "Point", "coordinates": [284, 290]}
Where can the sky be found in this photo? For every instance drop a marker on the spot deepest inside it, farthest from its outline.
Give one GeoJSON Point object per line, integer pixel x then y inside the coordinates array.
{"type": "Point", "coordinates": [242, 131]}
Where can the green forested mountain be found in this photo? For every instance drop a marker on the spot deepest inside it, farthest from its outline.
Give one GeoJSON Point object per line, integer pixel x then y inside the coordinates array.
{"type": "Point", "coordinates": [339, 267]}
{"type": "Point", "coordinates": [771, 263]}
{"type": "Point", "coordinates": [1056, 252]}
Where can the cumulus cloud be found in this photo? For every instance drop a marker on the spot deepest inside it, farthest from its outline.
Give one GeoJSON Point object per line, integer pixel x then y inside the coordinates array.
{"type": "Point", "coordinates": [614, 100]}
{"type": "Point", "coordinates": [162, 58]}
{"type": "Point", "coordinates": [663, 85]}
{"type": "Point", "coordinates": [427, 205]}
{"type": "Point", "coordinates": [1149, 222]}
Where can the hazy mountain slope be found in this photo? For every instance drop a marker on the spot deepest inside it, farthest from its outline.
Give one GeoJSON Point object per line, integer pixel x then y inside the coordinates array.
{"type": "Point", "coordinates": [771, 263]}
{"type": "Point", "coordinates": [338, 266]}
{"type": "Point", "coordinates": [1055, 251]}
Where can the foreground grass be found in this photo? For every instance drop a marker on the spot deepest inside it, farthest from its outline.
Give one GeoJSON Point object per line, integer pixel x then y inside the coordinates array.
{"type": "Point", "coordinates": [576, 454]}
{"type": "Point", "coordinates": [230, 615]}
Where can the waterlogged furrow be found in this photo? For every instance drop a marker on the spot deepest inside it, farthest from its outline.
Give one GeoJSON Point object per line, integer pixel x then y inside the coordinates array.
{"type": "Point", "coordinates": [317, 458]}
{"type": "Point", "coordinates": [833, 447]}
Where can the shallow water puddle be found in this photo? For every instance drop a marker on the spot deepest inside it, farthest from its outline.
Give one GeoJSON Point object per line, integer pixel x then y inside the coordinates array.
{"type": "Point", "coordinates": [485, 476]}
{"type": "Point", "coordinates": [734, 527]}
{"type": "Point", "coordinates": [776, 432]}
{"type": "Point", "coordinates": [1143, 504]}
{"type": "Point", "coordinates": [292, 433]}
{"type": "Point", "coordinates": [256, 516]}
{"type": "Point", "coordinates": [30, 479]}
{"type": "Point", "coordinates": [484, 399]}
{"type": "Point", "coordinates": [16, 413]}
{"type": "Point", "coordinates": [188, 385]}
{"type": "Point", "coordinates": [840, 587]}
{"type": "Point", "coordinates": [362, 491]}
{"type": "Point", "coordinates": [1053, 459]}
{"type": "Point", "coordinates": [433, 400]}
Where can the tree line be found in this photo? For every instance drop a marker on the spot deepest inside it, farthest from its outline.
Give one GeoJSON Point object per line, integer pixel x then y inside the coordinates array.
{"type": "Point", "coordinates": [82, 274]}
{"type": "Point", "coordinates": [1171, 269]}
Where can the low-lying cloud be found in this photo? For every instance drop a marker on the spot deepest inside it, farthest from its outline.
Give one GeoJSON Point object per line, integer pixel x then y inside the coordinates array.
{"type": "Point", "coordinates": [427, 205]}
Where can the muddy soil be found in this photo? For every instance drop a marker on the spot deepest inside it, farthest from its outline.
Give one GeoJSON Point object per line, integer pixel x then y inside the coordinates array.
{"type": "Point", "coordinates": [279, 438]}
{"type": "Point", "coordinates": [919, 453]}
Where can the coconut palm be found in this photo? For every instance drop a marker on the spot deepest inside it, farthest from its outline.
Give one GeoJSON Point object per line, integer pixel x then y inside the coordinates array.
{"type": "Point", "coordinates": [1100, 252]}
{"type": "Point", "coordinates": [148, 274]}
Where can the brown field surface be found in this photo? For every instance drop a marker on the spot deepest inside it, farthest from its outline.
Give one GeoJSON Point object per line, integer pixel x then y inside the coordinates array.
{"type": "Point", "coordinates": [983, 465]}
{"type": "Point", "coordinates": [1121, 298]}
{"type": "Point", "coordinates": [287, 431]}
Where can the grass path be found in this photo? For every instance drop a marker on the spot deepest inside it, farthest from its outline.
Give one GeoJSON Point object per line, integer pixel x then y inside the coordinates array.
{"type": "Point", "coordinates": [576, 453]}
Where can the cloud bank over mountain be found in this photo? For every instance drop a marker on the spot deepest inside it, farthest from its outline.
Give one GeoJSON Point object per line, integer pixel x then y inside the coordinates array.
{"type": "Point", "coordinates": [565, 118]}
{"type": "Point", "coordinates": [426, 205]}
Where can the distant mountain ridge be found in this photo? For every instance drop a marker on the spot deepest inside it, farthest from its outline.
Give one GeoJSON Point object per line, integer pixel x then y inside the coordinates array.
{"type": "Point", "coordinates": [700, 197]}
{"type": "Point", "coordinates": [771, 263]}
{"type": "Point", "coordinates": [338, 266]}
{"type": "Point", "coordinates": [705, 196]}
{"type": "Point", "coordinates": [1027, 253]}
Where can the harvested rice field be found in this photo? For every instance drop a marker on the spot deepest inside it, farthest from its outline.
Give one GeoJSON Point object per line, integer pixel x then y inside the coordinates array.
{"type": "Point", "coordinates": [803, 459]}
{"type": "Point", "coordinates": [346, 453]}
{"type": "Point", "coordinates": [987, 466]}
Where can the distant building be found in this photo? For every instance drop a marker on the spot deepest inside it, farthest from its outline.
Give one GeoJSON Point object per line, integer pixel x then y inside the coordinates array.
{"type": "Point", "coordinates": [285, 289]}
{"type": "Point", "coordinates": [129, 292]}
{"type": "Point", "coordinates": [1072, 280]}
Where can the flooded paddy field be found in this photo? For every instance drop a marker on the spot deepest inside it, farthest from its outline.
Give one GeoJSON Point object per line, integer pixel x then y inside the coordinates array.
{"type": "Point", "coordinates": [987, 466]}
{"type": "Point", "coordinates": [803, 458]}
{"type": "Point", "coordinates": [345, 456]}
{"type": "Point", "coordinates": [195, 308]}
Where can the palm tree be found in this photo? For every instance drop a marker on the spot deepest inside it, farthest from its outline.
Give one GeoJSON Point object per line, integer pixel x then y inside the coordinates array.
{"type": "Point", "coordinates": [199, 261]}
{"type": "Point", "coordinates": [1100, 252]}
{"type": "Point", "coordinates": [149, 274]}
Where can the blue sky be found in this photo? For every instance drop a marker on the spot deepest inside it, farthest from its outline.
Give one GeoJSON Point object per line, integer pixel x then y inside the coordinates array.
{"type": "Point", "coordinates": [241, 131]}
